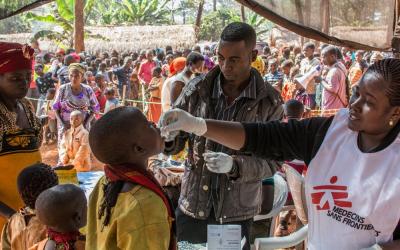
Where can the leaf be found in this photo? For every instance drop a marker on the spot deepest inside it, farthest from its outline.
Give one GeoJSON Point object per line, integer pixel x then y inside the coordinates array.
{"type": "Point", "coordinates": [65, 10]}
{"type": "Point", "coordinates": [46, 19]}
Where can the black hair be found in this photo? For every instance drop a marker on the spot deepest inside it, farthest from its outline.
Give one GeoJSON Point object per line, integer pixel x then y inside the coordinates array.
{"type": "Point", "coordinates": [193, 58]}
{"type": "Point", "coordinates": [51, 91]}
{"type": "Point", "coordinates": [287, 63]}
{"type": "Point", "coordinates": [267, 49]}
{"type": "Point", "coordinates": [157, 70]}
{"type": "Point", "coordinates": [37, 66]}
{"type": "Point", "coordinates": [309, 45]}
{"type": "Point", "coordinates": [109, 91]}
{"type": "Point", "coordinates": [293, 109]}
{"type": "Point", "coordinates": [33, 180]}
{"type": "Point", "coordinates": [239, 31]}
{"type": "Point", "coordinates": [68, 60]}
{"type": "Point", "coordinates": [330, 49]}
{"type": "Point", "coordinates": [70, 51]}
{"type": "Point", "coordinates": [389, 69]}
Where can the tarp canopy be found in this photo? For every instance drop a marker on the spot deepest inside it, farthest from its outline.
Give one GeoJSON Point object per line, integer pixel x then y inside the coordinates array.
{"type": "Point", "coordinates": [10, 8]}
{"type": "Point", "coordinates": [358, 24]}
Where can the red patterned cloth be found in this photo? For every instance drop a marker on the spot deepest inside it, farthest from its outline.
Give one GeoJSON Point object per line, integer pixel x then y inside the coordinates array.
{"type": "Point", "coordinates": [15, 56]}
{"type": "Point", "coordinates": [63, 239]}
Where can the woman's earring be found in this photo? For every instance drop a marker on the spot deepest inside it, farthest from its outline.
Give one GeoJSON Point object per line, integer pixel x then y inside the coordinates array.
{"type": "Point", "coordinates": [391, 123]}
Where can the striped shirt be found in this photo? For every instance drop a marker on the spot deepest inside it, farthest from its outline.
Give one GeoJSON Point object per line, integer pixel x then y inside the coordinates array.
{"type": "Point", "coordinates": [228, 112]}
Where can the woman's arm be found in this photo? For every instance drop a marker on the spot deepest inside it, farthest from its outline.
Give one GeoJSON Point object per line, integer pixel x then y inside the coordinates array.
{"type": "Point", "coordinates": [176, 90]}
{"type": "Point", "coordinates": [272, 140]}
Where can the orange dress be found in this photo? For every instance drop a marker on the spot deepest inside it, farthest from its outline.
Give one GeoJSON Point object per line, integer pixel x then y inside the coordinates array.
{"type": "Point", "coordinates": [154, 112]}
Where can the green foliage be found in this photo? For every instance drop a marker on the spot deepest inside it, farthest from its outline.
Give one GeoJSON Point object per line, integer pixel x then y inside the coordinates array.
{"type": "Point", "coordinates": [214, 22]}
{"type": "Point", "coordinates": [143, 12]}
{"type": "Point", "coordinates": [62, 17]}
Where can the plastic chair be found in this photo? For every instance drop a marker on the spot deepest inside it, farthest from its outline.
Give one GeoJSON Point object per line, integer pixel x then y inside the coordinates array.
{"type": "Point", "coordinates": [296, 185]}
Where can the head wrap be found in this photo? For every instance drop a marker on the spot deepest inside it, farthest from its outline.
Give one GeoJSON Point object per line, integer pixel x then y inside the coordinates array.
{"type": "Point", "coordinates": [76, 57]}
{"type": "Point", "coordinates": [15, 56]}
{"type": "Point", "coordinates": [60, 52]}
{"type": "Point", "coordinates": [77, 66]}
{"type": "Point", "coordinates": [177, 65]}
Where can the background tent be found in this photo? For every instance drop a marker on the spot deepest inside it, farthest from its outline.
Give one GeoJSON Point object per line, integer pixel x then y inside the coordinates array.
{"type": "Point", "coordinates": [358, 24]}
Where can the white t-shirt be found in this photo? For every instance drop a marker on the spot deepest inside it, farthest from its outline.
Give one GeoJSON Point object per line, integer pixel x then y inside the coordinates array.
{"type": "Point", "coordinates": [352, 197]}
{"type": "Point", "coordinates": [166, 94]}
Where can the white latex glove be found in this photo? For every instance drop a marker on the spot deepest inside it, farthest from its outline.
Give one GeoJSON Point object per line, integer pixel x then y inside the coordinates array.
{"type": "Point", "coordinates": [219, 163]}
{"type": "Point", "coordinates": [175, 120]}
{"type": "Point", "coordinates": [374, 247]}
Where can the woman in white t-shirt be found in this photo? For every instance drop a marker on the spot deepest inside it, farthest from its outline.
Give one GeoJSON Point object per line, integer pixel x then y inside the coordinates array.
{"type": "Point", "coordinates": [353, 178]}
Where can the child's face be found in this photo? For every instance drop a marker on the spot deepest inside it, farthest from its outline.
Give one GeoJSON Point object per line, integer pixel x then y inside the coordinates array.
{"type": "Point", "coordinates": [50, 96]}
{"type": "Point", "coordinates": [39, 70]}
{"type": "Point", "coordinates": [76, 120]}
{"type": "Point", "coordinates": [156, 74]}
{"type": "Point", "coordinates": [109, 96]}
{"type": "Point", "coordinates": [151, 140]}
{"type": "Point", "coordinates": [286, 70]}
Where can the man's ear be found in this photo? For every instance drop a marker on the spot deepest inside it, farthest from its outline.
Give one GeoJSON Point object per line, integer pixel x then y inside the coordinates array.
{"type": "Point", "coordinates": [137, 150]}
{"type": "Point", "coordinates": [254, 54]}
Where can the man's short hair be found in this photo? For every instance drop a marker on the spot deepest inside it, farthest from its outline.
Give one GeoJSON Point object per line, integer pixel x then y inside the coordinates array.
{"type": "Point", "coordinates": [287, 63]}
{"type": "Point", "coordinates": [293, 109]}
{"type": "Point", "coordinates": [238, 31]}
{"type": "Point", "coordinates": [309, 45]}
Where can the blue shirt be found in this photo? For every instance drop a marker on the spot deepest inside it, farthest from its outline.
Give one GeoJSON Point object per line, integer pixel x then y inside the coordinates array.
{"type": "Point", "coordinates": [123, 75]}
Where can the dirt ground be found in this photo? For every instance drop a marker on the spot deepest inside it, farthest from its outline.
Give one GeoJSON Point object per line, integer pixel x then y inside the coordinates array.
{"type": "Point", "coordinates": [50, 156]}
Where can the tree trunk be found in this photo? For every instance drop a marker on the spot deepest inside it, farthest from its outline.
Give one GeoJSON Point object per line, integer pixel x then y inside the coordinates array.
{"type": "Point", "coordinates": [199, 13]}
{"type": "Point", "coordinates": [79, 32]}
{"type": "Point", "coordinates": [243, 13]}
{"type": "Point", "coordinates": [214, 5]}
{"type": "Point", "coordinates": [300, 17]}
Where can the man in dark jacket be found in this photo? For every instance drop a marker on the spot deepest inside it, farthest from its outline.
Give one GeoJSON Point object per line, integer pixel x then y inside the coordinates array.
{"type": "Point", "coordinates": [233, 91]}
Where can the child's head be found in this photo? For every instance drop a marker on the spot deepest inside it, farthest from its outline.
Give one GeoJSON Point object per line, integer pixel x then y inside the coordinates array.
{"type": "Point", "coordinates": [293, 109]}
{"type": "Point", "coordinates": [103, 67]}
{"type": "Point", "coordinates": [39, 69]}
{"type": "Point", "coordinates": [33, 180]}
{"type": "Point", "coordinates": [62, 208]}
{"type": "Point", "coordinates": [100, 82]}
{"type": "Point", "coordinates": [51, 93]}
{"type": "Point", "coordinates": [273, 65]}
{"type": "Point", "coordinates": [156, 72]}
{"type": "Point", "coordinates": [76, 118]}
{"type": "Point", "coordinates": [109, 93]}
{"type": "Point", "coordinates": [286, 66]}
{"type": "Point", "coordinates": [124, 135]}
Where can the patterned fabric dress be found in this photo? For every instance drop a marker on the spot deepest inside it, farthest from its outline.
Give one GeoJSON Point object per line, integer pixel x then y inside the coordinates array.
{"type": "Point", "coordinates": [19, 148]}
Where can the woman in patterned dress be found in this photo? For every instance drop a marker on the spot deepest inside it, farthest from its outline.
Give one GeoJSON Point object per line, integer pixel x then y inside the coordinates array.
{"type": "Point", "coordinates": [20, 130]}
{"type": "Point", "coordinates": [74, 96]}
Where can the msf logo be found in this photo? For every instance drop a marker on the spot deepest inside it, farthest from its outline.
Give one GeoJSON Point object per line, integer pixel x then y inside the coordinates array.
{"type": "Point", "coordinates": [326, 196]}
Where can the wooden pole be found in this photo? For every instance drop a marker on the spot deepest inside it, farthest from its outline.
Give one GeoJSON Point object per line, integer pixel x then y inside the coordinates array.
{"type": "Point", "coordinates": [243, 13]}
{"type": "Point", "coordinates": [79, 32]}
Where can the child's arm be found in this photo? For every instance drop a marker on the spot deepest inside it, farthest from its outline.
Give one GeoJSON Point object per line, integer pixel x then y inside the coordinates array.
{"type": "Point", "coordinates": [6, 211]}
{"type": "Point", "coordinates": [63, 150]}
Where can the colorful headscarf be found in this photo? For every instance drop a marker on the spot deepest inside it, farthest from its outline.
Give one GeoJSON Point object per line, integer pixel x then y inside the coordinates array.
{"type": "Point", "coordinates": [15, 56]}
{"type": "Point", "coordinates": [177, 65]}
{"type": "Point", "coordinates": [76, 66]}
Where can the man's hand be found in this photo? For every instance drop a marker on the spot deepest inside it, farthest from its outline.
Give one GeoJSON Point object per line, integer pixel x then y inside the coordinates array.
{"type": "Point", "coordinates": [178, 120]}
{"type": "Point", "coordinates": [219, 163]}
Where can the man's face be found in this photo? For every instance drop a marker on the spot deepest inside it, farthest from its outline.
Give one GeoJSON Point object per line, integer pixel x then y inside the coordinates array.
{"type": "Point", "coordinates": [76, 120]}
{"type": "Point", "coordinates": [234, 60]}
{"type": "Point", "coordinates": [39, 71]}
{"type": "Point", "coordinates": [308, 52]}
{"type": "Point", "coordinates": [149, 56]}
{"type": "Point", "coordinates": [60, 57]}
{"type": "Point", "coordinates": [273, 67]}
{"type": "Point", "coordinates": [328, 58]}
{"type": "Point", "coordinates": [286, 70]}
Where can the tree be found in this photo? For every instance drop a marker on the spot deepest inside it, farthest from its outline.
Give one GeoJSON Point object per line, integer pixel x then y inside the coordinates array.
{"type": "Point", "coordinates": [79, 31]}
{"type": "Point", "coordinates": [199, 13]}
{"type": "Point", "coordinates": [144, 12]}
{"type": "Point", "coordinates": [63, 21]}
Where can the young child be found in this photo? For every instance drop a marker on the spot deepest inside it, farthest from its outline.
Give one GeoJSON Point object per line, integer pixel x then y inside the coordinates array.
{"type": "Point", "coordinates": [74, 147]}
{"type": "Point", "coordinates": [24, 229]}
{"type": "Point", "coordinates": [128, 209]}
{"type": "Point", "coordinates": [63, 210]}
{"type": "Point", "coordinates": [293, 110]}
{"type": "Point", "coordinates": [155, 88]}
{"type": "Point", "coordinates": [111, 102]}
{"type": "Point", "coordinates": [50, 127]}
{"type": "Point", "coordinates": [99, 92]}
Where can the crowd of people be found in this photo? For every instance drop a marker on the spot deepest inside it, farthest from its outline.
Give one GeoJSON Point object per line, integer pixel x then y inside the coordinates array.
{"type": "Point", "coordinates": [104, 107]}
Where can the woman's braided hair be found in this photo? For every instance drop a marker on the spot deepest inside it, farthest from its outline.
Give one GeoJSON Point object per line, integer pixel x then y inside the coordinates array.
{"type": "Point", "coordinates": [389, 69]}
{"type": "Point", "coordinates": [33, 180]}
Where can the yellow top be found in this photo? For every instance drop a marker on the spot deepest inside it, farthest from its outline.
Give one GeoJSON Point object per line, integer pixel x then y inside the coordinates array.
{"type": "Point", "coordinates": [139, 221]}
{"type": "Point", "coordinates": [259, 65]}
